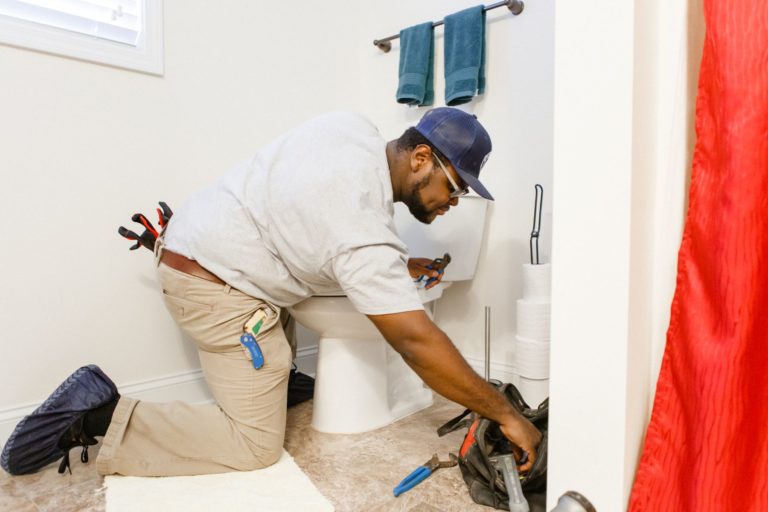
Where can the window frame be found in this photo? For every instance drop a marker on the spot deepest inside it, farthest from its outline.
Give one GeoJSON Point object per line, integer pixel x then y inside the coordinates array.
{"type": "Point", "coordinates": [145, 57]}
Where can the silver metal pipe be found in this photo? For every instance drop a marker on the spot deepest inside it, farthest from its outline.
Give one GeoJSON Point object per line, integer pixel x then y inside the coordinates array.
{"type": "Point", "coordinates": [487, 343]}
{"type": "Point", "coordinates": [515, 6]}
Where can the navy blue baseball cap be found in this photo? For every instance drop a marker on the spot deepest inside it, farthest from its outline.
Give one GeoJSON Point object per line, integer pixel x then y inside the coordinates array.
{"type": "Point", "coordinates": [463, 141]}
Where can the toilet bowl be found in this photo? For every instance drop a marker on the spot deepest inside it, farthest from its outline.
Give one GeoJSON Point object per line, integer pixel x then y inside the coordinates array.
{"type": "Point", "coordinates": [362, 384]}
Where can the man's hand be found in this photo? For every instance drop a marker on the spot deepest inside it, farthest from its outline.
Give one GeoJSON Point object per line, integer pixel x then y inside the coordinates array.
{"type": "Point", "coordinates": [418, 267]}
{"type": "Point", "coordinates": [430, 353]}
{"type": "Point", "coordinates": [521, 433]}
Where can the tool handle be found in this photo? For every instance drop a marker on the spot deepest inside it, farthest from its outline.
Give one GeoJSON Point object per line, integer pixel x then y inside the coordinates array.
{"type": "Point", "coordinates": [433, 279]}
{"type": "Point", "coordinates": [145, 239]}
{"type": "Point", "coordinates": [249, 342]}
{"type": "Point", "coordinates": [141, 219]}
{"type": "Point", "coordinates": [416, 477]}
{"type": "Point", "coordinates": [517, 502]}
{"type": "Point", "coordinates": [164, 214]}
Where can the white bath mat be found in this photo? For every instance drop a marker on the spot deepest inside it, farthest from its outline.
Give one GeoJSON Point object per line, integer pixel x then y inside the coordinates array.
{"type": "Point", "coordinates": [280, 487]}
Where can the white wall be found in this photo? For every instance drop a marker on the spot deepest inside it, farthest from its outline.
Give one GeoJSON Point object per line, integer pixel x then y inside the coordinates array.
{"type": "Point", "coordinates": [517, 111]}
{"type": "Point", "coordinates": [84, 146]}
{"type": "Point", "coordinates": [623, 104]}
{"type": "Point", "coordinates": [591, 246]}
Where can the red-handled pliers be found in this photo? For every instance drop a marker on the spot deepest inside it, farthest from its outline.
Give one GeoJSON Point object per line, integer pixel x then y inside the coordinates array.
{"type": "Point", "coordinates": [148, 237]}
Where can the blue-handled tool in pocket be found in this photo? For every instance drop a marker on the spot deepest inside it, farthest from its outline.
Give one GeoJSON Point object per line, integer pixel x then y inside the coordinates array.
{"type": "Point", "coordinates": [250, 343]}
{"type": "Point", "coordinates": [248, 338]}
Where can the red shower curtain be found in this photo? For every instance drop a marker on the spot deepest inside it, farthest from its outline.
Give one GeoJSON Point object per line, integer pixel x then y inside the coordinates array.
{"type": "Point", "coordinates": [706, 448]}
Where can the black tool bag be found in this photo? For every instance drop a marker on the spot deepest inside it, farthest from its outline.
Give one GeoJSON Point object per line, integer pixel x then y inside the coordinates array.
{"type": "Point", "coordinates": [484, 440]}
{"type": "Point", "coordinates": [301, 387]}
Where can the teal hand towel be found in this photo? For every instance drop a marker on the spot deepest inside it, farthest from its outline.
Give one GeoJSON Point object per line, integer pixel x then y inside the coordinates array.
{"type": "Point", "coordinates": [464, 55]}
{"type": "Point", "coordinates": [416, 85]}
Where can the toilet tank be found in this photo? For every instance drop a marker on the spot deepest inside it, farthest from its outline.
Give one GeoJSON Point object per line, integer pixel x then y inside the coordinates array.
{"type": "Point", "coordinates": [459, 233]}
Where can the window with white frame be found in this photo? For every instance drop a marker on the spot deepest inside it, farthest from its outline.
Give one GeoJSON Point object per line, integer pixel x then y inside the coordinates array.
{"type": "Point", "coordinates": [122, 33]}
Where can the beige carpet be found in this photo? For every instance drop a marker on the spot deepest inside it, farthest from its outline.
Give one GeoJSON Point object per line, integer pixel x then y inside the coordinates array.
{"type": "Point", "coordinates": [280, 487]}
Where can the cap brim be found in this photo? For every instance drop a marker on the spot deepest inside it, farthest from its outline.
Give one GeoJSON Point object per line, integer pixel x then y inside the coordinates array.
{"type": "Point", "coordinates": [474, 184]}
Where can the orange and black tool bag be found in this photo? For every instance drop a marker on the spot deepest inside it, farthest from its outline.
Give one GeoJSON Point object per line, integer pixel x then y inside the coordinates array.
{"type": "Point", "coordinates": [484, 440]}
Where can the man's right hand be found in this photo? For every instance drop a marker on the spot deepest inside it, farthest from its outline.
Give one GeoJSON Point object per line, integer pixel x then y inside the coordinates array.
{"type": "Point", "coordinates": [430, 353]}
{"type": "Point", "coordinates": [521, 433]}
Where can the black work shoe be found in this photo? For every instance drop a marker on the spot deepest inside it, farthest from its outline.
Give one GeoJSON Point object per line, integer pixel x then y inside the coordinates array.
{"type": "Point", "coordinates": [59, 423]}
{"type": "Point", "coordinates": [75, 435]}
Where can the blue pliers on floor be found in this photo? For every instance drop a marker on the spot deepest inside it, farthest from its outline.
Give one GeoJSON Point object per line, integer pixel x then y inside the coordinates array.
{"type": "Point", "coordinates": [422, 472]}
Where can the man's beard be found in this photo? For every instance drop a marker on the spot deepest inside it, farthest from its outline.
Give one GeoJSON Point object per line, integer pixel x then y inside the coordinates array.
{"type": "Point", "coordinates": [415, 204]}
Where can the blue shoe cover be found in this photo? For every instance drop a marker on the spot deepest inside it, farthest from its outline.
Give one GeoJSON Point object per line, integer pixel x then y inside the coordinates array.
{"type": "Point", "coordinates": [34, 442]}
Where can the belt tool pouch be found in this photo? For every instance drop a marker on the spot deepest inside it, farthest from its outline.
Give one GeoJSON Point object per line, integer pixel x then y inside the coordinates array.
{"type": "Point", "coordinates": [484, 440]}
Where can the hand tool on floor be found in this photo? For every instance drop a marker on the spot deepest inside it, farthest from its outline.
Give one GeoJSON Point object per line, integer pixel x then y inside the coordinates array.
{"type": "Point", "coordinates": [508, 467]}
{"type": "Point", "coordinates": [438, 264]}
{"type": "Point", "coordinates": [419, 474]}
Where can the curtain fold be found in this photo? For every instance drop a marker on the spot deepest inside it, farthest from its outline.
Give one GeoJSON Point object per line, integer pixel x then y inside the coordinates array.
{"type": "Point", "coordinates": [706, 448]}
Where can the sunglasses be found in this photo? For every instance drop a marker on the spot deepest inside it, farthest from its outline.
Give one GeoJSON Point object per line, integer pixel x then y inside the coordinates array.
{"type": "Point", "coordinates": [455, 190]}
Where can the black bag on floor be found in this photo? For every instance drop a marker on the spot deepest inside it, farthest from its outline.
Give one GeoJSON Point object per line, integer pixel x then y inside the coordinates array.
{"type": "Point", "coordinates": [301, 387]}
{"type": "Point", "coordinates": [484, 439]}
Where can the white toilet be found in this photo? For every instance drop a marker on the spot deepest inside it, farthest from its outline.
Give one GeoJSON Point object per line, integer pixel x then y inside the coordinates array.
{"type": "Point", "coordinates": [362, 383]}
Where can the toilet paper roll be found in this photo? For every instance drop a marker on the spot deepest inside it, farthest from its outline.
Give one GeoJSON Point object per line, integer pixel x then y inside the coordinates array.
{"type": "Point", "coordinates": [534, 391]}
{"type": "Point", "coordinates": [537, 281]}
{"type": "Point", "coordinates": [531, 358]}
{"type": "Point", "coordinates": [533, 320]}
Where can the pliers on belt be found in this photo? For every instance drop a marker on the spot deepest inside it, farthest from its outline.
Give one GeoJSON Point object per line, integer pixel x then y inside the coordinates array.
{"type": "Point", "coordinates": [422, 472]}
{"type": "Point", "coordinates": [146, 239]}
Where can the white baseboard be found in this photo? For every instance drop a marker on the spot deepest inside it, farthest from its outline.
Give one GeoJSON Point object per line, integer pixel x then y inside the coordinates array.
{"type": "Point", "coordinates": [186, 386]}
{"type": "Point", "coordinates": [306, 360]}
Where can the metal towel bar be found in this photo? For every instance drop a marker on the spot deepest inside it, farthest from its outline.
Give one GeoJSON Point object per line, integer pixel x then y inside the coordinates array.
{"type": "Point", "coordinates": [515, 6]}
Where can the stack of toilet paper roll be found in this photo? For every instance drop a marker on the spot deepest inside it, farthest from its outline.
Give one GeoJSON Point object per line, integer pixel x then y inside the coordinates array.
{"type": "Point", "coordinates": [532, 340]}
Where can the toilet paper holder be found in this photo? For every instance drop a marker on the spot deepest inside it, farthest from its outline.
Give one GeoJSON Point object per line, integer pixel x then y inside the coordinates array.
{"type": "Point", "coordinates": [538, 202]}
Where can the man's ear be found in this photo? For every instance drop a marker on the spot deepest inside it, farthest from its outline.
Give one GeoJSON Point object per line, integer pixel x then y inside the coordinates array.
{"type": "Point", "coordinates": [421, 157]}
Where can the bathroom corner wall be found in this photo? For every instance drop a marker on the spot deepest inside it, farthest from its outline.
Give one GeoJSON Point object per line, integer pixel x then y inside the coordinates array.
{"type": "Point", "coordinates": [517, 111]}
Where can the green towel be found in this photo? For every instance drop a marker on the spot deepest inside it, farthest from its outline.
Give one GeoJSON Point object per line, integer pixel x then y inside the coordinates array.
{"type": "Point", "coordinates": [464, 55]}
{"type": "Point", "coordinates": [416, 85]}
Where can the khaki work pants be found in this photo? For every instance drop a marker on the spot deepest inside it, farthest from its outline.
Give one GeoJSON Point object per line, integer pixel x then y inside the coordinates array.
{"type": "Point", "coordinates": [245, 428]}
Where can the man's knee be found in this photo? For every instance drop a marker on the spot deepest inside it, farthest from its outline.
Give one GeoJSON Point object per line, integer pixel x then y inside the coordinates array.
{"type": "Point", "coordinates": [262, 457]}
{"type": "Point", "coordinates": [271, 455]}
{"type": "Point", "coordinates": [266, 448]}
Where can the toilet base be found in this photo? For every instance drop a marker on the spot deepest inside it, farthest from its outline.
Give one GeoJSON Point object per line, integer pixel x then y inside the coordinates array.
{"type": "Point", "coordinates": [362, 385]}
